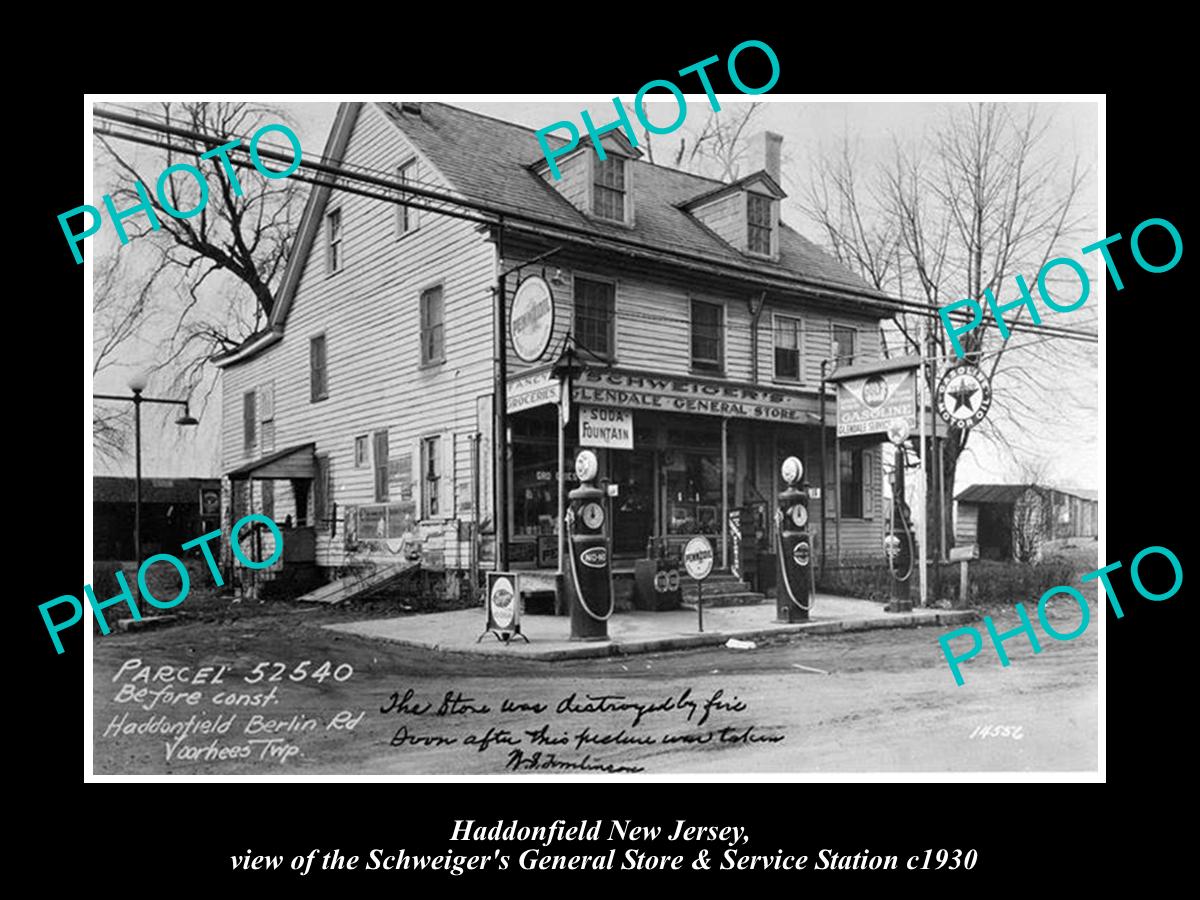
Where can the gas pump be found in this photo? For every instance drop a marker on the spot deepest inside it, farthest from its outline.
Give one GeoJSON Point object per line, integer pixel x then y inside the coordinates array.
{"type": "Point", "coordinates": [792, 546]}
{"type": "Point", "coordinates": [589, 585]}
{"type": "Point", "coordinates": [898, 543]}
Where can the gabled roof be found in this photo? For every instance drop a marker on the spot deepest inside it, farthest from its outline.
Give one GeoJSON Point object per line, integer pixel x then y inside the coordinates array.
{"type": "Point", "coordinates": [1010, 493]}
{"type": "Point", "coordinates": [291, 462]}
{"type": "Point", "coordinates": [490, 159]}
{"type": "Point", "coordinates": [741, 184]}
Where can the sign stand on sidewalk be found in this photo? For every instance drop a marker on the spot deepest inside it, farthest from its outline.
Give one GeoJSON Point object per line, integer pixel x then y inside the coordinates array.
{"type": "Point", "coordinates": [503, 608]}
{"type": "Point", "coordinates": [698, 560]}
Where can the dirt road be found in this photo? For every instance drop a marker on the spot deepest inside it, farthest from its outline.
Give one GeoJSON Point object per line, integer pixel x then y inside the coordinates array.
{"type": "Point", "coordinates": [888, 703]}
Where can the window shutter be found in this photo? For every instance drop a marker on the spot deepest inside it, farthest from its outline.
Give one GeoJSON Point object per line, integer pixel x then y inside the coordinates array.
{"type": "Point", "coordinates": [446, 484]}
{"type": "Point", "coordinates": [868, 483]}
{"type": "Point", "coordinates": [249, 422]}
{"type": "Point", "coordinates": [418, 480]}
{"type": "Point", "coordinates": [414, 215]}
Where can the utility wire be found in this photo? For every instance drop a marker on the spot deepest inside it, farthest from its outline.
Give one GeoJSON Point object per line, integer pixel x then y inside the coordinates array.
{"type": "Point", "coordinates": [434, 199]}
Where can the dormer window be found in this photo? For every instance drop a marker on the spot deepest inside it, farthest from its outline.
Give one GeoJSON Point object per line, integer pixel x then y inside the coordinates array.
{"type": "Point", "coordinates": [758, 223]}
{"type": "Point", "coordinates": [608, 188]}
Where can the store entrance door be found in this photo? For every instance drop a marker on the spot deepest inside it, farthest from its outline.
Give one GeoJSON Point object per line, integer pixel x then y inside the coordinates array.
{"type": "Point", "coordinates": [633, 507]}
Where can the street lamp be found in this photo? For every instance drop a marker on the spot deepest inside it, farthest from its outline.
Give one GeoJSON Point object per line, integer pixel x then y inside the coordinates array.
{"type": "Point", "coordinates": [137, 384]}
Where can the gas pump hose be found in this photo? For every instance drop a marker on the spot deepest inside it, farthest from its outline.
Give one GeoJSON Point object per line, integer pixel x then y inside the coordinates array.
{"type": "Point", "coordinates": [787, 583]}
{"type": "Point", "coordinates": [612, 603]}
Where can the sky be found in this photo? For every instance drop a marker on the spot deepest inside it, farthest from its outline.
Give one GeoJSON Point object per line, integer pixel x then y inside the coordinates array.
{"type": "Point", "coordinates": [1068, 444]}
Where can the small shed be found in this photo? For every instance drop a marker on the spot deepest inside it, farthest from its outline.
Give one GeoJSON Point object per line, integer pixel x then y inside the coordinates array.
{"type": "Point", "coordinates": [1012, 520]}
{"type": "Point", "coordinates": [174, 511]}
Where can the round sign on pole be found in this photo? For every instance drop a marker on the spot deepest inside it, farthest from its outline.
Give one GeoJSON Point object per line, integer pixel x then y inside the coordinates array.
{"type": "Point", "coordinates": [964, 396]}
{"type": "Point", "coordinates": [698, 558]}
{"type": "Point", "coordinates": [531, 321]}
{"type": "Point", "coordinates": [800, 553]}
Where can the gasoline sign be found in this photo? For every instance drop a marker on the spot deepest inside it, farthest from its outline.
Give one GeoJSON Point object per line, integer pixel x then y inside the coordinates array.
{"type": "Point", "coordinates": [698, 558]}
{"type": "Point", "coordinates": [791, 470]}
{"type": "Point", "coordinates": [532, 318]}
{"type": "Point", "coordinates": [964, 396]}
{"type": "Point", "coordinates": [800, 554]}
{"type": "Point", "coordinates": [502, 600]}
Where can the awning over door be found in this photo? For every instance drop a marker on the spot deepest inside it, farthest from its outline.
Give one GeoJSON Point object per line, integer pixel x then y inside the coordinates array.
{"type": "Point", "coordinates": [293, 462]}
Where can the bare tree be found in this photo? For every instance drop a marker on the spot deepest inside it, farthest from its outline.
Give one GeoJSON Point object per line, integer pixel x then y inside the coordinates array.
{"type": "Point", "coordinates": [200, 267]}
{"type": "Point", "coordinates": [717, 149]}
{"type": "Point", "coordinates": [1032, 519]}
{"type": "Point", "coordinates": [980, 200]}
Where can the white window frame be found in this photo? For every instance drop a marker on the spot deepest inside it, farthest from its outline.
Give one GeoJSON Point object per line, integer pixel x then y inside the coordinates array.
{"type": "Point", "coordinates": [705, 366]}
{"type": "Point", "coordinates": [363, 442]}
{"type": "Point", "coordinates": [773, 241]}
{"type": "Point", "coordinates": [335, 255]}
{"type": "Point", "coordinates": [857, 343]}
{"type": "Point", "coordinates": [611, 356]}
{"type": "Point", "coordinates": [800, 354]}
{"type": "Point", "coordinates": [408, 220]}
{"type": "Point", "coordinates": [433, 493]}
{"type": "Point", "coordinates": [430, 362]}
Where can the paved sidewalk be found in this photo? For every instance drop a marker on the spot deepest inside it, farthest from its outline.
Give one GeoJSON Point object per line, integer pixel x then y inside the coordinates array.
{"type": "Point", "coordinates": [641, 632]}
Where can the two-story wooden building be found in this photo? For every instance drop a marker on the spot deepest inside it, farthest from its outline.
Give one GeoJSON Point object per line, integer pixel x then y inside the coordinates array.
{"type": "Point", "coordinates": [364, 409]}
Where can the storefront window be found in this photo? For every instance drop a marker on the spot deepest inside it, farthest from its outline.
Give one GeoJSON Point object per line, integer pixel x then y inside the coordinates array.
{"type": "Point", "coordinates": [693, 483]}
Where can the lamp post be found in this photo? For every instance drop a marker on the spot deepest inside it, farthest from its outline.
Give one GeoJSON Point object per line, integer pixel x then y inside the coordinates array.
{"type": "Point", "coordinates": [137, 384]}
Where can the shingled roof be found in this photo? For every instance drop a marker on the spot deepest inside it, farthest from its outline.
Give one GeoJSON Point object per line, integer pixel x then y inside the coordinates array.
{"type": "Point", "coordinates": [492, 160]}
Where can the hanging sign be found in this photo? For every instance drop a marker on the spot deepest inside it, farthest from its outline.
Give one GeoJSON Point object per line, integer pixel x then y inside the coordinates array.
{"type": "Point", "coordinates": [603, 426]}
{"type": "Point", "coordinates": [531, 320]}
{"type": "Point", "coordinates": [964, 396]}
{"type": "Point", "coordinates": [872, 404]}
{"type": "Point", "coordinates": [533, 389]}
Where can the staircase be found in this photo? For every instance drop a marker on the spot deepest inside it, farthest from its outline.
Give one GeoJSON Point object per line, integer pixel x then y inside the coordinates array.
{"type": "Point", "coordinates": [720, 589]}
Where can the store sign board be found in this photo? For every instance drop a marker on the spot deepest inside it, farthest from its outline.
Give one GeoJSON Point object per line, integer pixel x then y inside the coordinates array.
{"type": "Point", "coordinates": [662, 393]}
{"type": "Point", "coordinates": [601, 426]}
{"type": "Point", "coordinates": [870, 404]}
{"type": "Point", "coordinates": [528, 391]}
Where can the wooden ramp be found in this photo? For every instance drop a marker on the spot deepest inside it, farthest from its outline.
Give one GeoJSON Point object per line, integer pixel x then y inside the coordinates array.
{"type": "Point", "coordinates": [352, 586]}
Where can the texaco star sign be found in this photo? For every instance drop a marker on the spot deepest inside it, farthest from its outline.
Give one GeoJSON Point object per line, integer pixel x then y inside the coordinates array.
{"type": "Point", "coordinates": [964, 396]}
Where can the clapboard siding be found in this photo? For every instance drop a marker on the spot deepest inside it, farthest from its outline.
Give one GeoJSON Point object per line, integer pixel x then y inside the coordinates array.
{"type": "Point", "coordinates": [369, 312]}
{"type": "Point", "coordinates": [653, 326]}
{"type": "Point", "coordinates": [726, 217]}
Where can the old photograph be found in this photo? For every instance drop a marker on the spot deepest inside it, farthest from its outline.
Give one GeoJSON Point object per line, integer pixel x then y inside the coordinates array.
{"type": "Point", "coordinates": [485, 438]}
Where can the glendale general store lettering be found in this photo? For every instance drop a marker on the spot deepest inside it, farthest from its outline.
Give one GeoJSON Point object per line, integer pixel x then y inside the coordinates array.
{"type": "Point", "coordinates": [617, 388]}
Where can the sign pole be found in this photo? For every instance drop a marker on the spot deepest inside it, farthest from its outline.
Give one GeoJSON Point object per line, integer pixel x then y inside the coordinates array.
{"type": "Point", "coordinates": [700, 604]}
{"type": "Point", "coordinates": [922, 504]}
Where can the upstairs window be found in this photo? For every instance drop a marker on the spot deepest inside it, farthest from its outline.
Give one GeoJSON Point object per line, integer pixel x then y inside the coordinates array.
{"type": "Point", "coordinates": [708, 325]}
{"type": "Point", "coordinates": [845, 345]}
{"type": "Point", "coordinates": [407, 218]}
{"type": "Point", "coordinates": [333, 241]}
{"type": "Point", "coordinates": [758, 218]}
{"type": "Point", "coordinates": [318, 376]}
{"type": "Point", "coordinates": [249, 422]}
{"type": "Point", "coordinates": [609, 188]}
{"type": "Point", "coordinates": [433, 348]}
{"type": "Point", "coordinates": [788, 337]}
{"type": "Point", "coordinates": [595, 309]}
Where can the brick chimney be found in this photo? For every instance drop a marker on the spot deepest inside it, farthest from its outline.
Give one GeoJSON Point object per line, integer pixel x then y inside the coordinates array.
{"type": "Point", "coordinates": [772, 149]}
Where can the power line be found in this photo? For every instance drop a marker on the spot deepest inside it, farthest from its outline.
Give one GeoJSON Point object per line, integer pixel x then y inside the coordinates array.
{"type": "Point", "coordinates": [435, 200]}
